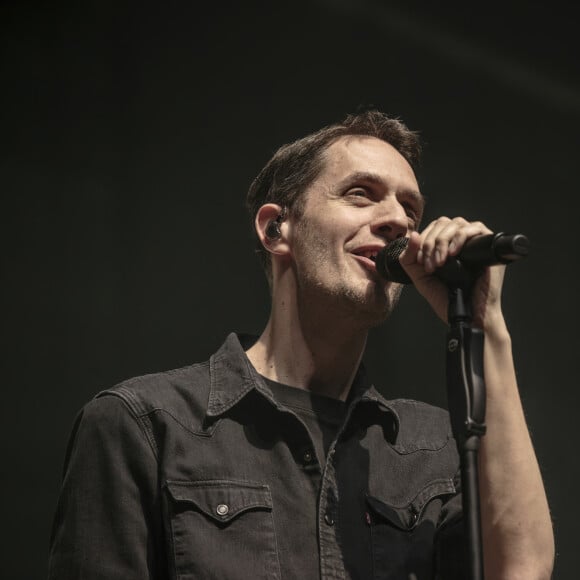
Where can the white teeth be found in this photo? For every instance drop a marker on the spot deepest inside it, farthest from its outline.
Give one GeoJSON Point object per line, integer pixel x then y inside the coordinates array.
{"type": "Point", "coordinates": [370, 254]}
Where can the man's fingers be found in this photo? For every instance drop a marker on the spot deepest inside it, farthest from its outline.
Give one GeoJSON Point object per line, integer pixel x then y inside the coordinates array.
{"type": "Point", "coordinates": [444, 237]}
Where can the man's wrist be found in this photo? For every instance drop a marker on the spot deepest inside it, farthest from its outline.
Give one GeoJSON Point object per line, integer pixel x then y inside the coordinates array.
{"type": "Point", "coordinates": [495, 328]}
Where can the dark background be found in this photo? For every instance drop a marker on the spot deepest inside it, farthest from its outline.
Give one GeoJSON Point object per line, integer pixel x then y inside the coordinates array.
{"type": "Point", "coordinates": [130, 133]}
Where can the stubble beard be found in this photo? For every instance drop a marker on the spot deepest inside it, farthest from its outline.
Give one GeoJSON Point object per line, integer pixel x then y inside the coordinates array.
{"type": "Point", "coordinates": [373, 307]}
{"type": "Point", "coordinates": [342, 293]}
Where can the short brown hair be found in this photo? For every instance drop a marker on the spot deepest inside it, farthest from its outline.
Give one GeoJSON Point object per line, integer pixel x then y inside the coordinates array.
{"type": "Point", "coordinates": [296, 165]}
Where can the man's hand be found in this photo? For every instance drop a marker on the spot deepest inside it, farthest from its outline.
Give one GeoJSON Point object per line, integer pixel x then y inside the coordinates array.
{"type": "Point", "coordinates": [430, 249]}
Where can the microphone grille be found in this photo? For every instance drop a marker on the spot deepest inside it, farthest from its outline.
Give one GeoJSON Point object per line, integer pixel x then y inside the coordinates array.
{"type": "Point", "coordinates": [387, 262]}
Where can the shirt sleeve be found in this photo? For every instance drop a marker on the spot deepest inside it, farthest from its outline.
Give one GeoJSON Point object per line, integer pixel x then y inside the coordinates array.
{"type": "Point", "coordinates": [107, 521]}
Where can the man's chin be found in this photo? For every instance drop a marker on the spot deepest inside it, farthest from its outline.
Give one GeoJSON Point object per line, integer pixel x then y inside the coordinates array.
{"type": "Point", "coordinates": [373, 306]}
{"type": "Point", "coordinates": [378, 315]}
{"type": "Point", "coordinates": [388, 298]}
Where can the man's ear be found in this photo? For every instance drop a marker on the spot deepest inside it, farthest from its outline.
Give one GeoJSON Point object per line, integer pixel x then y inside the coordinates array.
{"type": "Point", "coordinates": [272, 228]}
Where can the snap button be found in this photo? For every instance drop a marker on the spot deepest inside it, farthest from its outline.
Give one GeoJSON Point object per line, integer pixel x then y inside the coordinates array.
{"type": "Point", "coordinates": [307, 456]}
{"type": "Point", "coordinates": [222, 509]}
{"type": "Point", "coordinates": [329, 519]}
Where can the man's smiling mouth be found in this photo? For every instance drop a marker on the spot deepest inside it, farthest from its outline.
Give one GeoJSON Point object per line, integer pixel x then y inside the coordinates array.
{"type": "Point", "coordinates": [370, 254]}
{"type": "Point", "coordinates": [367, 257]}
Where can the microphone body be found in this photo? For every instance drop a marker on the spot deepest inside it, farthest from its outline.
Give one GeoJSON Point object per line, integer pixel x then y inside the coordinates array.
{"type": "Point", "coordinates": [476, 254]}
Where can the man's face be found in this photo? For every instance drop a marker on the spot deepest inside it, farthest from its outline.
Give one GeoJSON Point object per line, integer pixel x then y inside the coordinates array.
{"type": "Point", "coordinates": [366, 196]}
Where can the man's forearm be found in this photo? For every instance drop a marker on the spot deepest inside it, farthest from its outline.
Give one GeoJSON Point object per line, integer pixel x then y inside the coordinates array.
{"type": "Point", "coordinates": [516, 526]}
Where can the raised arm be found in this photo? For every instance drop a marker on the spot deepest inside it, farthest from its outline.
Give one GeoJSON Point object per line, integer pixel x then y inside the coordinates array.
{"type": "Point", "coordinates": [518, 541]}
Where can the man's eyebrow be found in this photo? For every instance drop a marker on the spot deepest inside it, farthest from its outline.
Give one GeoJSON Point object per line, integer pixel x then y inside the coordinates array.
{"type": "Point", "coordinates": [375, 179]}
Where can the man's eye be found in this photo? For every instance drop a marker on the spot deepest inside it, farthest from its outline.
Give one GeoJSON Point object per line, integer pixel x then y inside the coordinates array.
{"type": "Point", "coordinates": [358, 192]}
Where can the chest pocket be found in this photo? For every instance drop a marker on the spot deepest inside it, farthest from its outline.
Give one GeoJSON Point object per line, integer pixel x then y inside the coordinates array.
{"type": "Point", "coordinates": [222, 529]}
{"type": "Point", "coordinates": [403, 537]}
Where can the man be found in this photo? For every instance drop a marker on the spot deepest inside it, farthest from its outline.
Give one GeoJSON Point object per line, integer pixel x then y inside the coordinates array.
{"type": "Point", "coordinates": [277, 458]}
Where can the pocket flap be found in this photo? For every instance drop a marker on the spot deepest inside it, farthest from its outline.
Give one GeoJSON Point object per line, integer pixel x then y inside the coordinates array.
{"type": "Point", "coordinates": [222, 500]}
{"type": "Point", "coordinates": [401, 518]}
{"type": "Point", "coordinates": [406, 516]}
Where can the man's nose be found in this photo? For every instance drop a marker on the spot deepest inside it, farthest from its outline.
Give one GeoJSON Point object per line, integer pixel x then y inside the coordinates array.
{"type": "Point", "coordinates": [390, 220]}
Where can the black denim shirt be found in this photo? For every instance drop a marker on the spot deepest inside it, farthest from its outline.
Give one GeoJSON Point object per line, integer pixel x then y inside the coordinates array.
{"type": "Point", "coordinates": [199, 473]}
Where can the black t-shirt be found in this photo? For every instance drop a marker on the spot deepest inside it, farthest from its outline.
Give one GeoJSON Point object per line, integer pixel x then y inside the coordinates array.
{"type": "Point", "coordinates": [322, 415]}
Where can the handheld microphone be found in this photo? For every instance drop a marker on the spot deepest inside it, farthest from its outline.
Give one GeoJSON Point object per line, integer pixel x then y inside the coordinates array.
{"type": "Point", "coordinates": [476, 254]}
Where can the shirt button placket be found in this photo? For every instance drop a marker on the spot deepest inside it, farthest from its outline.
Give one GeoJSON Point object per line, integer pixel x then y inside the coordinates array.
{"type": "Point", "coordinates": [329, 516]}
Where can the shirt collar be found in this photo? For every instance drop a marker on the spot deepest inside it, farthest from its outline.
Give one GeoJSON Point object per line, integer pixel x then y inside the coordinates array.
{"type": "Point", "coordinates": [232, 377]}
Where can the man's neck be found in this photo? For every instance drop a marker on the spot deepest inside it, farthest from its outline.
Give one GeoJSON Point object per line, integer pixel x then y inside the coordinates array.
{"type": "Point", "coordinates": [309, 348]}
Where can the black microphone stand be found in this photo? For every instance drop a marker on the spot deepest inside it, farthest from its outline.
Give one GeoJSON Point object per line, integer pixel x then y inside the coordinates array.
{"type": "Point", "coordinates": [466, 401]}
